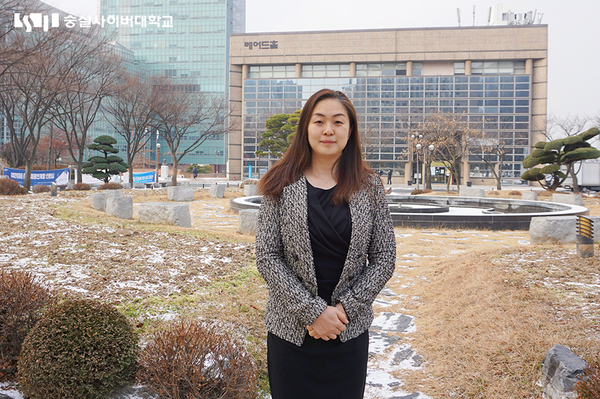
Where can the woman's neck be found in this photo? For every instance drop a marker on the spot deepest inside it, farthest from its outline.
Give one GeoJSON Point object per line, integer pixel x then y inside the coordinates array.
{"type": "Point", "coordinates": [321, 174]}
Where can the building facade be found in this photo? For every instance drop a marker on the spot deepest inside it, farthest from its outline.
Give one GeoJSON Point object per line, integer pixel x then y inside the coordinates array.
{"type": "Point", "coordinates": [495, 76]}
{"type": "Point", "coordinates": [187, 40]}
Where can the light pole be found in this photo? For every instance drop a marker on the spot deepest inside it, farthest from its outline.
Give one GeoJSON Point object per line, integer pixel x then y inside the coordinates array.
{"type": "Point", "coordinates": [157, 154]}
{"type": "Point", "coordinates": [418, 147]}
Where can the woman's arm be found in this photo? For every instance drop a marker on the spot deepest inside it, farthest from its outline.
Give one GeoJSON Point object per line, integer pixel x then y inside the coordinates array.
{"type": "Point", "coordinates": [381, 256]}
{"type": "Point", "coordinates": [284, 285]}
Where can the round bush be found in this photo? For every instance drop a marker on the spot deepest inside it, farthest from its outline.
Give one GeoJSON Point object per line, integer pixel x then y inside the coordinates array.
{"type": "Point", "coordinates": [110, 186]}
{"type": "Point", "coordinates": [416, 191]}
{"type": "Point", "coordinates": [189, 360]}
{"type": "Point", "coordinates": [9, 186]}
{"type": "Point", "coordinates": [41, 188]}
{"type": "Point", "coordinates": [515, 193]}
{"type": "Point", "coordinates": [80, 349]}
{"type": "Point", "coordinates": [81, 186]}
{"type": "Point", "coordinates": [22, 301]}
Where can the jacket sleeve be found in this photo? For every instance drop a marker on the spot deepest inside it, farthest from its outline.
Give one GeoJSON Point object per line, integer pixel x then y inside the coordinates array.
{"type": "Point", "coordinates": [381, 260]}
{"type": "Point", "coordinates": [285, 288]}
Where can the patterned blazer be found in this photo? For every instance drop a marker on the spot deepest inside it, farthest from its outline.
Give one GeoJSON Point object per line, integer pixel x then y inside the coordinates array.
{"type": "Point", "coordinates": [285, 260]}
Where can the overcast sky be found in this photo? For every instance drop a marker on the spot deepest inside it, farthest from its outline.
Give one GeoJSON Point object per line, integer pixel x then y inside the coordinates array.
{"type": "Point", "coordinates": [573, 42]}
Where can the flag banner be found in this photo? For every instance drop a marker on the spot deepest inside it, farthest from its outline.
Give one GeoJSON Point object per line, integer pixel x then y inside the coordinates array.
{"type": "Point", "coordinates": [44, 177]}
{"type": "Point", "coordinates": [145, 177]}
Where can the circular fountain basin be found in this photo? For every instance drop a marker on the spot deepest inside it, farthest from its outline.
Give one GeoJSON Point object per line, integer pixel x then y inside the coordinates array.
{"type": "Point", "coordinates": [457, 212]}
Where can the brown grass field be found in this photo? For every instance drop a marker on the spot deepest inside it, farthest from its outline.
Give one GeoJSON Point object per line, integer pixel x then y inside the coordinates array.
{"type": "Point", "coordinates": [487, 304]}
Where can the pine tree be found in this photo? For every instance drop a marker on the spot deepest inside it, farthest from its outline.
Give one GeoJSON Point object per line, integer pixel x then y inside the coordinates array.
{"type": "Point", "coordinates": [102, 167]}
{"type": "Point", "coordinates": [556, 153]}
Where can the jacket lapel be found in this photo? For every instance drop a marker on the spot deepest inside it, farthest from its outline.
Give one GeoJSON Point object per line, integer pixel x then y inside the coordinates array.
{"type": "Point", "coordinates": [295, 209]}
{"type": "Point", "coordinates": [361, 221]}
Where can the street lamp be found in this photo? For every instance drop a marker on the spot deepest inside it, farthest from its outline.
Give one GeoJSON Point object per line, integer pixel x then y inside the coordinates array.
{"type": "Point", "coordinates": [418, 147]}
{"type": "Point", "coordinates": [417, 138]}
{"type": "Point", "coordinates": [157, 154]}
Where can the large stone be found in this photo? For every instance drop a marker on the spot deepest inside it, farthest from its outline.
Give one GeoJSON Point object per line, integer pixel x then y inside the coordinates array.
{"type": "Point", "coordinates": [98, 200]}
{"type": "Point", "coordinates": [126, 186]}
{"type": "Point", "coordinates": [529, 195]}
{"type": "Point", "coordinates": [552, 229]}
{"type": "Point", "coordinates": [121, 207]}
{"type": "Point", "coordinates": [250, 190]}
{"type": "Point", "coordinates": [217, 190]}
{"type": "Point", "coordinates": [560, 371]}
{"type": "Point", "coordinates": [571, 199]}
{"type": "Point", "coordinates": [139, 185]}
{"type": "Point", "coordinates": [180, 193]}
{"type": "Point", "coordinates": [472, 192]}
{"type": "Point", "coordinates": [247, 221]}
{"type": "Point", "coordinates": [165, 213]}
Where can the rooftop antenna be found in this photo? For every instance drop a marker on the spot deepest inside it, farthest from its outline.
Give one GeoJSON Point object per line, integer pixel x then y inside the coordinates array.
{"type": "Point", "coordinates": [473, 14]}
{"type": "Point", "coordinates": [490, 16]}
{"type": "Point", "coordinates": [458, 15]}
{"type": "Point", "coordinates": [540, 16]}
{"type": "Point", "coordinates": [534, 14]}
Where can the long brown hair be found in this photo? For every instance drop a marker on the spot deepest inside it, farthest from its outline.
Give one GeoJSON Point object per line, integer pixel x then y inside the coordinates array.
{"type": "Point", "coordinates": [350, 170]}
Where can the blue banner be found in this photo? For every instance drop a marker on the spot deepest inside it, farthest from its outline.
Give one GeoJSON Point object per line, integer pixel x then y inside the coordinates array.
{"type": "Point", "coordinates": [44, 177]}
{"type": "Point", "coordinates": [148, 177]}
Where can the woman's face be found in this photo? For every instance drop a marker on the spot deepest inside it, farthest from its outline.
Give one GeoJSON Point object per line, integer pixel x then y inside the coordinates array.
{"type": "Point", "coordinates": [328, 129]}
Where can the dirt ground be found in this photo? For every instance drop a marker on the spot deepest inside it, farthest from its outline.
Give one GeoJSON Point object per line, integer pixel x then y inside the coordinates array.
{"type": "Point", "coordinates": [487, 304]}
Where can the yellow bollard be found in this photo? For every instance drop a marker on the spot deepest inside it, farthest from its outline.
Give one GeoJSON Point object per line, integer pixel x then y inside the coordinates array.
{"type": "Point", "coordinates": [585, 237]}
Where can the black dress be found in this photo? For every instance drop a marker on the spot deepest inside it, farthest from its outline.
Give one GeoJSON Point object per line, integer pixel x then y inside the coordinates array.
{"type": "Point", "coordinates": [321, 369]}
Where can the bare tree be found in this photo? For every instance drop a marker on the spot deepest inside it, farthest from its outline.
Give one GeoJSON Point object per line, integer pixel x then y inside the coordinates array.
{"type": "Point", "coordinates": [30, 87]}
{"type": "Point", "coordinates": [187, 114]}
{"type": "Point", "coordinates": [132, 111]}
{"type": "Point", "coordinates": [449, 136]}
{"type": "Point", "coordinates": [76, 107]}
{"type": "Point", "coordinates": [13, 49]}
{"type": "Point", "coordinates": [491, 151]}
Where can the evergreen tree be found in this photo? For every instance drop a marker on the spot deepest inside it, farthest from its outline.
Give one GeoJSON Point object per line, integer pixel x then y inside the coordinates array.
{"type": "Point", "coordinates": [556, 153]}
{"type": "Point", "coordinates": [102, 167]}
{"type": "Point", "coordinates": [281, 129]}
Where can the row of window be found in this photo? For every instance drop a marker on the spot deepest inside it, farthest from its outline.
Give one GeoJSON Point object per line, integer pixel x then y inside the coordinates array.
{"type": "Point", "coordinates": [302, 82]}
{"type": "Point", "coordinates": [459, 87]}
{"type": "Point", "coordinates": [381, 69]}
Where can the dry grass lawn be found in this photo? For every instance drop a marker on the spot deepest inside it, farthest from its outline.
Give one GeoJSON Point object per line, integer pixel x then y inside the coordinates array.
{"type": "Point", "coordinates": [487, 305]}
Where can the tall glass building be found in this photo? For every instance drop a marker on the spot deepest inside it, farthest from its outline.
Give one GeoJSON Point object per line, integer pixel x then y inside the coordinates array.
{"type": "Point", "coordinates": [186, 40]}
{"type": "Point", "coordinates": [495, 78]}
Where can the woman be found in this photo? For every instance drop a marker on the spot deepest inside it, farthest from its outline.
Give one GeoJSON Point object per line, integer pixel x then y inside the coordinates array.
{"type": "Point", "coordinates": [325, 247]}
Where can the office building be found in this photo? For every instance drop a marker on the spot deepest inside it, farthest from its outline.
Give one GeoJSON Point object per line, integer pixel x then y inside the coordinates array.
{"type": "Point", "coordinates": [496, 76]}
{"type": "Point", "coordinates": [187, 40]}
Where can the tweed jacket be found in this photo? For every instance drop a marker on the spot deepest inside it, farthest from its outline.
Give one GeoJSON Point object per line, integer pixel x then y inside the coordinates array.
{"type": "Point", "coordinates": [285, 260]}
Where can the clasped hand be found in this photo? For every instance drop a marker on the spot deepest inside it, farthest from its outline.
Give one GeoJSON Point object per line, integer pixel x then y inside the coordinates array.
{"type": "Point", "coordinates": [329, 324]}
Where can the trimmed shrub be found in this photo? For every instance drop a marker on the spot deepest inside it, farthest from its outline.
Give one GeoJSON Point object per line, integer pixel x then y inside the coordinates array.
{"type": "Point", "coordinates": [588, 386]}
{"type": "Point", "coordinates": [427, 191]}
{"type": "Point", "coordinates": [9, 186]}
{"type": "Point", "coordinates": [22, 300]}
{"type": "Point", "coordinates": [41, 188]}
{"type": "Point", "coordinates": [493, 192]}
{"type": "Point", "coordinates": [416, 191]}
{"type": "Point", "coordinates": [80, 349]}
{"type": "Point", "coordinates": [110, 186]}
{"type": "Point", "coordinates": [189, 360]}
{"type": "Point", "coordinates": [515, 193]}
{"type": "Point", "coordinates": [81, 186]}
